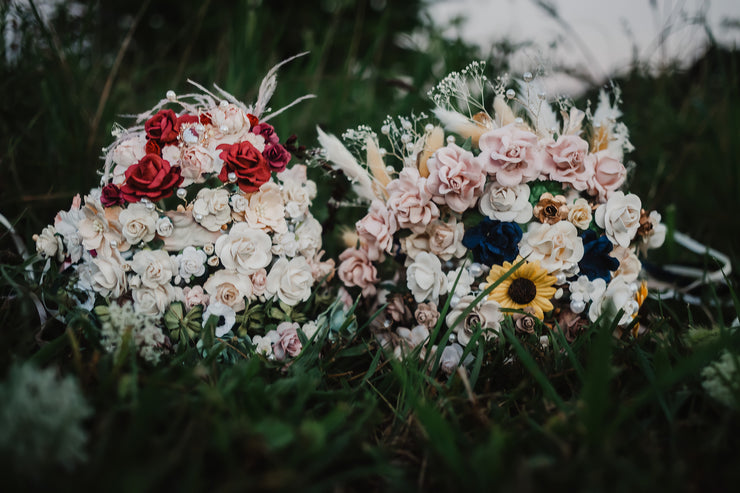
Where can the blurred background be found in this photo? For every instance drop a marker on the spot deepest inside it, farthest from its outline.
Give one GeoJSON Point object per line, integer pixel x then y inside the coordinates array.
{"type": "Point", "coordinates": [69, 70]}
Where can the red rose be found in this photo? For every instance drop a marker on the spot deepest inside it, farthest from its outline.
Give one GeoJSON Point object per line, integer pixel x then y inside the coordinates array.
{"type": "Point", "coordinates": [111, 195]}
{"type": "Point", "coordinates": [163, 127]}
{"type": "Point", "coordinates": [152, 147]}
{"type": "Point", "coordinates": [267, 131]}
{"type": "Point", "coordinates": [152, 178]}
{"type": "Point", "coordinates": [247, 163]}
{"type": "Point", "coordinates": [277, 156]}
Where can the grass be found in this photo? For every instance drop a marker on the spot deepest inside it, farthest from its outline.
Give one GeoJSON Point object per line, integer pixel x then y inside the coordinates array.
{"type": "Point", "coordinates": [599, 414]}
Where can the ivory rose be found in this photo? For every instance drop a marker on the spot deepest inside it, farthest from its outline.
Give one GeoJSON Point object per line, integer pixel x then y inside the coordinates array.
{"type": "Point", "coordinates": [290, 280]}
{"type": "Point", "coordinates": [456, 178]}
{"type": "Point", "coordinates": [108, 278]}
{"type": "Point", "coordinates": [195, 161]}
{"type": "Point", "coordinates": [506, 203]}
{"type": "Point", "coordinates": [155, 267]}
{"type": "Point", "coordinates": [155, 300]}
{"type": "Point", "coordinates": [511, 155]}
{"type": "Point", "coordinates": [211, 208]}
{"type": "Point", "coordinates": [486, 314]}
{"type": "Point", "coordinates": [266, 209]}
{"type": "Point", "coordinates": [620, 217]}
{"type": "Point", "coordinates": [557, 246]}
{"type": "Point", "coordinates": [48, 244]}
{"type": "Point", "coordinates": [128, 152]}
{"type": "Point", "coordinates": [244, 250]}
{"type": "Point", "coordinates": [229, 288]}
{"type": "Point", "coordinates": [191, 263]}
{"type": "Point", "coordinates": [579, 214]}
{"type": "Point", "coordinates": [445, 239]}
{"type": "Point", "coordinates": [425, 279]}
{"type": "Point", "coordinates": [139, 223]}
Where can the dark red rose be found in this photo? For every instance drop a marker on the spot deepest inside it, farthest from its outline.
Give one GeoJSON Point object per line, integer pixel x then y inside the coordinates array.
{"type": "Point", "coordinates": [111, 195]}
{"type": "Point", "coordinates": [277, 157]}
{"type": "Point", "coordinates": [152, 147]}
{"type": "Point", "coordinates": [267, 131]}
{"type": "Point", "coordinates": [244, 160]}
{"type": "Point", "coordinates": [183, 119]}
{"type": "Point", "coordinates": [253, 120]}
{"type": "Point", "coordinates": [163, 127]}
{"type": "Point", "coordinates": [152, 178]}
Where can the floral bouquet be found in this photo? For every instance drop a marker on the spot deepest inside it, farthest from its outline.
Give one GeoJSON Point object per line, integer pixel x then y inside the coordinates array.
{"type": "Point", "coordinates": [516, 213]}
{"type": "Point", "coordinates": [200, 232]}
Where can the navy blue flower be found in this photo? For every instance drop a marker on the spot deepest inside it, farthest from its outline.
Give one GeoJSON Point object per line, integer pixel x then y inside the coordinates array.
{"type": "Point", "coordinates": [596, 262]}
{"type": "Point", "coordinates": [493, 242]}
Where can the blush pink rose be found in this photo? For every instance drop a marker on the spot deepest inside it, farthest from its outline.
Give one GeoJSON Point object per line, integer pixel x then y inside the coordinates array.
{"type": "Point", "coordinates": [288, 342]}
{"type": "Point", "coordinates": [195, 296]}
{"type": "Point", "coordinates": [566, 161]}
{"type": "Point", "coordinates": [608, 176]}
{"type": "Point", "coordinates": [355, 269]}
{"type": "Point", "coordinates": [456, 178]}
{"type": "Point", "coordinates": [259, 282]}
{"type": "Point", "coordinates": [410, 201]}
{"type": "Point", "coordinates": [376, 230]}
{"type": "Point", "coordinates": [510, 154]}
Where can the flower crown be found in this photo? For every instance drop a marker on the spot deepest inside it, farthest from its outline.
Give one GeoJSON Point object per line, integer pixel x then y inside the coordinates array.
{"type": "Point", "coordinates": [523, 217]}
{"type": "Point", "coordinates": [199, 218]}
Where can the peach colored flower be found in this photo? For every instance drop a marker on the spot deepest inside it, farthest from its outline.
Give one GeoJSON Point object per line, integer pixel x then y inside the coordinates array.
{"type": "Point", "coordinates": [194, 296]}
{"type": "Point", "coordinates": [426, 314]}
{"type": "Point", "coordinates": [376, 230]}
{"type": "Point", "coordinates": [410, 202]}
{"type": "Point", "coordinates": [355, 269]}
{"type": "Point", "coordinates": [510, 154]}
{"type": "Point", "coordinates": [557, 247]}
{"type": "Point", "coordinates": [229, 288]}
{"type": "Point", "coordinates": [266, 210]}
{"type": "Point", "coordinates": [567, 163]}
{"type": "Point", "coordinates": [608, 176]}
{"type": "Point", "coordinates": [196, 161]}
{"type": "Point", "coordinates": [244, 250]}
{"type": "Point", "coordinates": [445, 239]}
{"type": "Point", "coordinates": [259, 282]}
{"type": "Point", "coordinates": [456, 178]}
{"type": "Point", "coordinates": [580, 214]}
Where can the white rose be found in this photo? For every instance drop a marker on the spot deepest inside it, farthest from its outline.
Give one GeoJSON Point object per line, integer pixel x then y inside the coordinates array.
{"type": "Point", "coordinates": [445, 239]}
{"type": "Point", "coordinates": [229, 119]}
{"type": "Point", "coordinates": [229, 288]}
{"type": "Point", "coordinates": [154, 301]}
{"type": "Point", "coordinates": [192, 262]}
{"type": "Point", "coordinates": [128, 152]}
{"type": "Point", "coordinates": [155, 267]}
{"type": "Point", "coordinates": [557, 246]}
{"type": "Point", "coordinates": [239, 205]}
{"type": "Point", "coordinates": [107, 276]}
{"type": "Point", "coordinates": [290, 280]}
{"type": "Point", "coordinates": [629, 265]}
{"type": "Point", "coordinates": [425, 279]}
{"type": "Point", "coordinates": [463, 283]}
{"type": "Point", "coordinates": [308, 234]}
{"type": "Point", "coordinates": [506, 203]}
{"type": "Point", "coordinates": [297, 199]}
{"type": "Point", "coordinates": [211, 208]}
{"type": "Point", "coordinates": [284, 244]}
{"type": "Point", "coordinates": [618, 296]}
{"type": "Point", "coordinates": [48, 244]}
{"type": "Point", "coordinates": [139, 223]}
{"type": "Point", "coordinates": [487, 314]}
{"type": "Point", "coordinates": [244, 250]}
{"type": "Point", "coordinates": [165, 228]}
{"type": "Point", "coordinates": [620, 217]}
{"type": "Point", "coordinates": [580, 214]}
{"type": "Point", "coordinates": [266, 209]}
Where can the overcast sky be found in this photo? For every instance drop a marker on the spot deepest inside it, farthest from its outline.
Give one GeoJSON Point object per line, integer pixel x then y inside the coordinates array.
{"type": "Point", "coordinates": [603, 34]}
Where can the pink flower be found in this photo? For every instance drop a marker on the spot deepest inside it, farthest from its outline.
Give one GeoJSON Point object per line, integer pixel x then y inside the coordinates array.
{"type": "Point", "coordinates": [609, 174]}
{"type": "Point", "coordinates": [567, 163]}
{"type": "Point", "coordinates": [259, 282]}
{"type": "Point", "coordinates": [410, 201]}
{"type": "Point", "coordinates": [277, 157]}
{"type": "Point", "coordinates": [511, 154]}
{"type": "Point", "coordinates": [288, 343]}
{"type": "Point", "coordinates": [194, 296]}
{"type": "Point", "coordinates": [356, 269]}
{"type": "Point", "coordinates": [456, 178]}
{"type": "Point", "coordinates": [376, 230]}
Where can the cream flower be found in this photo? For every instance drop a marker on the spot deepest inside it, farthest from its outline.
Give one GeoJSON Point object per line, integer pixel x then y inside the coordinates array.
{"type": "Point", "coordinates": [651, 232]}
{"type": "Point", "coordinates": [99, 227]}
{"type": "Point", "coordinates": [456, 178]}
{"type": "Point", "coordinates": [409, 340]}
{"type": "Point", "coordinates": [171, 154]}
{"type": "Point", "coordinates": [154, 301]}
{"type": "Point", "coordinates": [128, 152]}
{"type": "Point", "coordinates": [229, 119]}
{"type": "Point", "coordinates": [464, 282]}
{"type": "Point", "coordinates": [557, 246]}
{"type": "Point", "coordinates": [620, 217]}
{"type": "Point", "coordinates": [155, 267]}
{"type": "Point", "coordinates": [290, 281]}
{"type": "Point", "coordinates": [194, 296]}
{"type": "Point", "coordinates": [580, 214]}
{"type": "Point", "coordinates": [229, 288]}
{"type": "Point", "coordinates": [414, 244]}
{"type": "Point", "coordinates": [191, 263]}
{"type": "Point", "coordinates": [425, 279]}
{"type": "Point", "coordinates": [486, 314]}
{"type": "Point", "coordinates": [297, 198]}
{"type": "Point", "coordinates": [196, 161]}
{"type": "Point", "coordinates": [618, 296]}
{"type": "Point", "coordinates": [139, 223]}
{"type": "Point", "coordinates": [48, 244]}
{"type": "Point", "coordinates": [629, 265]}
{"type": "Point", "coordinates": [266, 209]}
{"type": "Point", "coordinates": [263, 344]}
{"type": "Point", "coordinates": [308, 235]}
{"type": "Point", "coordinates": [506, 203]}
{"type": "Point", "coordinates": [211, 208]}
{"type": "Point", "coordinates": [244, 250]}
{"type": "Point", "coordinates": [164, 227]}
{"type": "Point", "coordinates": [445, 239]}
{"type": "Point", "coordinates": [259, 282]}
{"type": "Point", "coordinates": [66, 224]}
{"type": "Point", "coordinates": [107, 276]}
{"type": "Point", "coordinates": [285, 244]}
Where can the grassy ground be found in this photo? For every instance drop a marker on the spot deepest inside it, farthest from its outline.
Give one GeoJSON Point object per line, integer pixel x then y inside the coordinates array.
{"type": "Point", "coordinates": [598, 415]}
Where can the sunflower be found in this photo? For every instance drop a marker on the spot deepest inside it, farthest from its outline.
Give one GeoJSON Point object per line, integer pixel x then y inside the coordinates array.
{"type": "Point", "coordinates": [528, 286]}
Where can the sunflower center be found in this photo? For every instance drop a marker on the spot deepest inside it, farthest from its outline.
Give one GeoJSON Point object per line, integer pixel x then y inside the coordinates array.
{"type": "Point", "coordinates": [522, 291]}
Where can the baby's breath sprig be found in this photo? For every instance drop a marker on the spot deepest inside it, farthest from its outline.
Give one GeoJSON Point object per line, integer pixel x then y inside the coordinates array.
{"type": "Point", "coordinates": [405, 135]}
